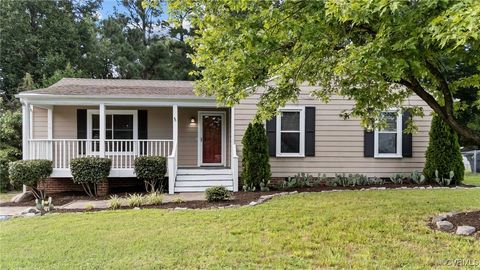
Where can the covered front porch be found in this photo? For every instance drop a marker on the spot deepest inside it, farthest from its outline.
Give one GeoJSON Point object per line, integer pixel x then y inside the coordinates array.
{"type": "Point", "coordinates": [195, 136]}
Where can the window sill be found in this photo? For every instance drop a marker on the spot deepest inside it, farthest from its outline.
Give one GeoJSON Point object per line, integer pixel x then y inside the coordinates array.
{"type": "Point", "coordinates": [290, 155]}
{"type": "Point", "coordinates": [388, 156]}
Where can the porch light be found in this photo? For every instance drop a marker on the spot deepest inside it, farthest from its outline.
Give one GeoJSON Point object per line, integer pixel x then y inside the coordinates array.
{"type": "Point", "coordinates": [192, 120]}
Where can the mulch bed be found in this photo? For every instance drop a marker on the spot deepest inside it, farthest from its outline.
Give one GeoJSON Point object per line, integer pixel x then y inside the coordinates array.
{"type": "Point", "coordinates": [462, 219]}
{"type": "Point", "coordinates": [239, 198]}
{"type": "Point", "coordinates": [466, 219]}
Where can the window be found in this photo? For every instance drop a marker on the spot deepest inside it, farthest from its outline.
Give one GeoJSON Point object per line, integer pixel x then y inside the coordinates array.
{"type": "Point", "coordinates": [119, 125]}
{"type": "Point", "coordinates": [388, 141]}
{"type": "Point", "coordinates": [291, 132]}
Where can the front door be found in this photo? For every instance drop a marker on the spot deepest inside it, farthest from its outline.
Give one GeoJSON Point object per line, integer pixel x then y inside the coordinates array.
{"type": "Point", "coordinates": [211, 138]}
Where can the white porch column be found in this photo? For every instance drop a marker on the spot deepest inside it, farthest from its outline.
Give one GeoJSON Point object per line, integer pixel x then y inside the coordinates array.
{"type": "Point", "coordinates": [25, 130]}
{"type": "Point", "coordinates": [50, 131]}
{"type": "Point", "coordinates": [233, 150]}
{"type": "Point", "coordinates": [175, 123]}
{"type": "Point", "coordinates": [25, 134]}
{"type": "Point", "coordinates": [103, 132]}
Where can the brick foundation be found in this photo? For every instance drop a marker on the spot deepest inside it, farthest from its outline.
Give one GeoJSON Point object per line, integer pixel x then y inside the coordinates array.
{"type": "Point", "coordinates": [56, 185]}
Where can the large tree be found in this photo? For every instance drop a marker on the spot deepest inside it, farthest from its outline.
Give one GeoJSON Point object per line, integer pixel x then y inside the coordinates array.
{"type": "Point", "coordinates": [375, 52]}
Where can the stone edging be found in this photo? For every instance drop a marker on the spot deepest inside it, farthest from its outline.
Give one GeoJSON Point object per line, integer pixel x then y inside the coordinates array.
{"type": "Point", "coordinates": [442, 224]}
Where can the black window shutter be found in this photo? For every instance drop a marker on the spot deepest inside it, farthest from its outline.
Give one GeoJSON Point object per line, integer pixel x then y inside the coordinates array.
{"type": "Point", "coordinates": [272, 136]}
{"type": "Point", "coordinates": [81, 129]}
{"type": "Point", "coordinates": [310, 131]}
{"type": "Point", "coordinates": [368, 143]}
{"type": "Point", "coordinates": [81, 124]}
{"type": "Point", "coordinates": [143, 124]}
{"type": "Point", "coordinates": [143, 129]}
{"type": "Point", "coordinates": [406, 138]}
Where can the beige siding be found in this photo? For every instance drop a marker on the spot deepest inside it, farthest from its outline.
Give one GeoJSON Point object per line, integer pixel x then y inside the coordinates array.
{"type": "Point", "coordinates": [159, 127]}
{"type": "Point", "coordinates": [39, 123]}
{"type": "Point", "coordinates": [338, 143]}
{"type": "Point", "coordinates": [188, 136]}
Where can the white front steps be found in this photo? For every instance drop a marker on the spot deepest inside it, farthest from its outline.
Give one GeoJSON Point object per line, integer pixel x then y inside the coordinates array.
{"type": "Point", "coordinates": [199, 179]}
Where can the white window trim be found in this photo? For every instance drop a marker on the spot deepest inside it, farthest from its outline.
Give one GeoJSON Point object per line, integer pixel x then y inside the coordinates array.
{"type": "Point", "coordinates": [127, 112]}
{"type": "Point", "coordinates": [291, 108]}
{"type": "Point", "coordinates": [399, 133]}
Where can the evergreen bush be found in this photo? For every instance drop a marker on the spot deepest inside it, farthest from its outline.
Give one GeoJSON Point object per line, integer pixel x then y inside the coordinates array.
{"type": "Point", "coordinates": [89, 171]}
{"type": "Point", "coordinates": [443, 153]}
{"type": "Point", "coordinates": [256, 168]}
{"type": "Point", "coordinates": [152, 170]}
{"type": "Point", "coordinates": [30, 173]}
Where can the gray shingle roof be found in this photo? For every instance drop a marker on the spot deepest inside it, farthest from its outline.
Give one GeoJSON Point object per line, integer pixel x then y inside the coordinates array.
{"type": "Point", "coordinates": [117, 88]}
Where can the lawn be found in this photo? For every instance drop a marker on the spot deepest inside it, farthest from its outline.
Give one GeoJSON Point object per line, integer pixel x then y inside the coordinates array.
{"type": "Point", "coordinates": [472, 179]}
{"type": "Point", "coordinates": [363, 230]}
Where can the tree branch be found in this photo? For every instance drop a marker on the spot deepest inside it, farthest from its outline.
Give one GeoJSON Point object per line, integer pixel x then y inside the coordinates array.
{"type": "Point", "coordinates": [445, 89]}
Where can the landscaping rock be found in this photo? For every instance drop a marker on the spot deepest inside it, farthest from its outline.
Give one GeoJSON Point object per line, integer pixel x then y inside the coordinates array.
{"type": "Point", "coordinates": [23, 197]}
{"type": "Point", "coordinates": [465, 230]}
{"type": "Point", "coordinates": [444, 225]}
{"type": "Point", "coordinates": [439, 218]}
{"type": "Point", "coordinates": [180, 208]}
{"type": "Point", "coordinates": [252, 203]}
{"type": "Point", "coordinates": [30, 210]}
{"type": "Point", "coordinates": [136, 208]}
{"type": "Point", "coordinates": [29, 215]}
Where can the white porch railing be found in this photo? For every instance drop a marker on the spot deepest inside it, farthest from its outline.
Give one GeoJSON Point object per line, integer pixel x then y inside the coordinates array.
{"type": "Point", "coordinates": [172, 169]}
{"type": "Point", "coordinates": [121, 152]}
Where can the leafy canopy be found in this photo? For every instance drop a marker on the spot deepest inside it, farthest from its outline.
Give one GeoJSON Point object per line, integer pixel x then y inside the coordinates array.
{"type": "Point", "coordinates": [375, 52]}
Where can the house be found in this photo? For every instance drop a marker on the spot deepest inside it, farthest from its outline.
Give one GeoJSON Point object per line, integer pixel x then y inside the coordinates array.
{"type": "Point", "coordinates": [123, 119]}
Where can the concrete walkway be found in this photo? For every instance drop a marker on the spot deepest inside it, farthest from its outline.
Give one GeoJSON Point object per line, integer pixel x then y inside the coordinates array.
{"type": "Point", "coordinates": [12, 210]}
{"type": "Point", "coordinates": [103, 204]}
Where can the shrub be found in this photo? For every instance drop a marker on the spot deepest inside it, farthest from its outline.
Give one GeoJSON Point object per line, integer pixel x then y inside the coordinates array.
{"type": "Point", "coordinates": [397, 178]}
{"type": "Point", "coordinates": [30, 173]}
{"type": "Point", "coordinates": [443, 153]}
{"type": "Point", "coordinates": [89, 171]}
{"type": "Point", "coordinates": [444, 181]}
{"type": "Point", "coordinates": [135, 200]}
{"type": "Point", "coordinates": [151, 169]}
{"type": "Point", "coordinates": [417, 178]}
{"type": "Point", "coordinates": [256, 168]}
{"type": "Point", "coordinates": [154, 198]}
{"type": "Point", "coordinates": [4, 178]}
{"type": "Point", "coordinates": [114, 202]}
{"type": "Point", "coordinates": [215, 194]}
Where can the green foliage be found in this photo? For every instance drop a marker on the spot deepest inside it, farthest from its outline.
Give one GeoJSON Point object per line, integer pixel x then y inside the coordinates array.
{"type": "Point", "coordinates": [135, 200]}
{"type": "Point", "coordinates": [417, 178]}
{"type": "Point", "coordinates": [350, 180]}
{"type": "Point", "coordinates": [377, 53]}
{"type": "Point", "coordinates": [114, 202]}
{"type": "Point", "coordinates": [154, 198]}
{"type": "Point", "coordinates": [444, 181]}
{"type": "Point", "coordinates": [89, 171]}
{"type": "Point", "coordinates": [255, 159]}
{"type": "Point", "coordinates": [30, 173]}
{"type": "Point", "coordinates": [152, 170]}
{"type": "Point", "coordinates": [215, 194]}
{"type": "Point", "coordinates": [299, 180]}
{"type": "Point", "coordinates": [443, 153]}
{"type": "Point", "coordinates": [397, 178]}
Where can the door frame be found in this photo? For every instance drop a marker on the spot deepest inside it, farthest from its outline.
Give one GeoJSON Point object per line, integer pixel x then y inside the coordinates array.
{"type": "Point", "coordinates": [223, 115]}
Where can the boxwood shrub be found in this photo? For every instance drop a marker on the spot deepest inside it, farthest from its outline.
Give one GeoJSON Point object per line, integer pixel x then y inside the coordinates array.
{"type": "Point", "coordinates": [89, 171]}
{"type": "Point", "coordinates": [215, 194]}
{"type": "Point", "coordinates": [151, 170]}
{"type": "Point", "coordinates": [30, 173]}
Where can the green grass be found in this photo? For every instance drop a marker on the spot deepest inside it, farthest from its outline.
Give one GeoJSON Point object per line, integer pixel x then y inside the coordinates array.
{"type": "Point", "coordinates": [362, 230]}
{"type": "Point", "coordinates": [7, 196]}
{"type": "Point", "coordinates": [472, 179]}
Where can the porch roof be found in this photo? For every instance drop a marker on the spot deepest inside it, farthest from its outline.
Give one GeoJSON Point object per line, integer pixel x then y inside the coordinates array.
{"type": "Point", "coordinates": [116, 88]}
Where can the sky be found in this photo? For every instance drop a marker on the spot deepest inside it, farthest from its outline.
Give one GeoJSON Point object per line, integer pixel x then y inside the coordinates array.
{"type": "Point", "coordinates": [108, 8]}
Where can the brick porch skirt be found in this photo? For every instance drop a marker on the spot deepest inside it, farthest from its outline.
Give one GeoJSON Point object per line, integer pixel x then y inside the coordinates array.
{"type": "Point", "coordinates": [56, 185]}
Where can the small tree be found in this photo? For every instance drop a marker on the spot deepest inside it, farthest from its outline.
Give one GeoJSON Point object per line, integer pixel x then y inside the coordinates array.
{"type": "Point", "coordinates": [151, 169]}
{"type": "Point", "coordinates": [89, 171]}
{"type": "Point", "coordinates": [443, 153]}
{"type": "Point", "coordinates": [256, 168]}
{"type": "Point", "coordinates": [30, 173]}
